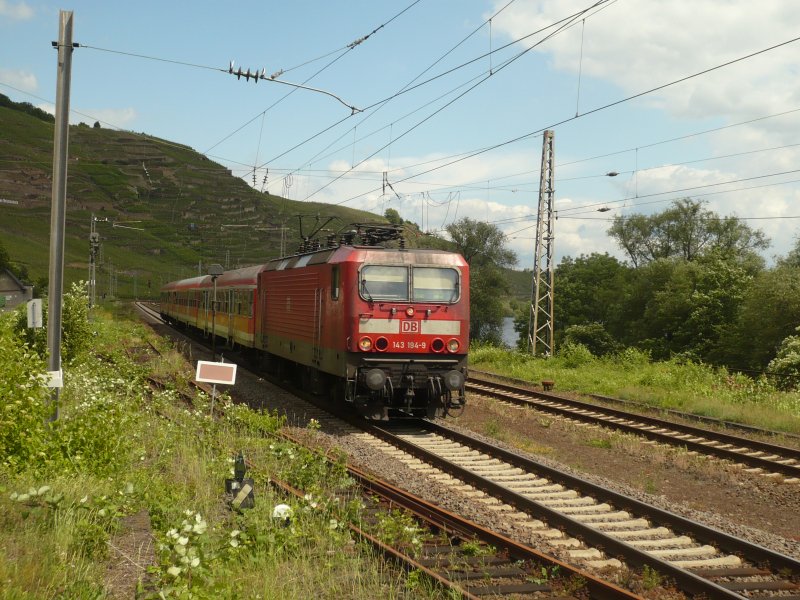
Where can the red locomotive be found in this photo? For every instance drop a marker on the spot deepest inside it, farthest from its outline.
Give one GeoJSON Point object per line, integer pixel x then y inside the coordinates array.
{"type": "Point", "coordinates": [386, 329]}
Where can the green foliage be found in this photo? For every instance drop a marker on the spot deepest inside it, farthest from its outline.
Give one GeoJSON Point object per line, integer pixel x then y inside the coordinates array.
{"type": "Point", "coordinates": [784, 369]}
{"type": "Point", "coordinates": [651, 579]}
{"type": "Point", "coordinates": [574, 355]}
{"type": "Point", "coordinates": [399, 528]}
{"type": "Point", "coordinates": [591, 289]}
{"type": "Point", "coordinates": [26, 107]}
{"type": "Point", "coordinates": [593, 336]}
{"type": "Point", "coordinates": [769, 313]}
{"type": "Point", "coordinates": [76, 331]}
{"type": "Point", "coordinates": [686, 231]}
{"type": "Point", "coordinates": [676, 384]}
{"type": "Point", "coordinates": [481, 243]}
{"type": "Point", "coordinates": [391, 215]}
{"type": "Point", "coordinates": [23, 410]}
{"type": "Point", "coordinates": [486, 306]}
{"type": "Point", "coordinates": [483, 246]}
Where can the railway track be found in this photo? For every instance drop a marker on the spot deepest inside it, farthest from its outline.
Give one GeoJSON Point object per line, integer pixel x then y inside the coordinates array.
{"type": "Point", "coordinates": [463, 556]}
{"type": "Point", "coordinates": [699, 559]}
{"type": "Point", "coordinates": [757, 455]}
{"type": "Point", "coordinates": [600, 526]}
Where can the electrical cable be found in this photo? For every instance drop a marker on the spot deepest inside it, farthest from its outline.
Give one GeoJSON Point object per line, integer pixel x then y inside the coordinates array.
{"type": "Point", "coordinates": [592, 111]}
{"type": "Point", "coordinates": [458, 97]}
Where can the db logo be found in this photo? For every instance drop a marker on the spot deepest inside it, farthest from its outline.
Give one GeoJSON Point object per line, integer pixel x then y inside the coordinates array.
{"type": "Point", "coordinates": [409, 326]}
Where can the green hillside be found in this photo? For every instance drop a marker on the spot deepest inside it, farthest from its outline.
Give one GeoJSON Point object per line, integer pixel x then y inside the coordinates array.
{"type": "Point", "coordinates": [187, 209]}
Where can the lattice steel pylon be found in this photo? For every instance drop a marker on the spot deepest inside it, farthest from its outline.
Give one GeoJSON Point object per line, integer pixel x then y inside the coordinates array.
{"type": "Point", "coordinates": [540, 321]}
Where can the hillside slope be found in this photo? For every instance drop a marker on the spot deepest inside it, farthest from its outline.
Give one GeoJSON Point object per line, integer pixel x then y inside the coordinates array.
{"type": "Point", "coordinates": [187, 209]}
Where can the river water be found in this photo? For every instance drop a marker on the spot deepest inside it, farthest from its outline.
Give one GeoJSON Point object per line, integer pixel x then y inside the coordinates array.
{"type": "Point", "coordinates": [508, 334]}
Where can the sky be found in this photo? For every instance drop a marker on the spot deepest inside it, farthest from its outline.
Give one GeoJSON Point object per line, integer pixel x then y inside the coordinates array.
{"type": "Point", "coordinates": [436, 108]}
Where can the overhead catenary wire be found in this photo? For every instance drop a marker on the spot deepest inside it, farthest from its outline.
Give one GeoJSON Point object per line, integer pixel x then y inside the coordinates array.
{"type": "Point", "coordinates": [459, 96]}
{"type": "Point", "coordinates": [583, 115]}
{"type": "Point", "coordinates": [342, 52]}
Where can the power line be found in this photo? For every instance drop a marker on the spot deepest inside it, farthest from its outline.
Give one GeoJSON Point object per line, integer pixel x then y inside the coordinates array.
{"type": "Point", "coordinates": [346, 49]}
{"type": "Point", "coordinates": [408, 87]}
{"type": "Point", "coordinates": [458, 97]}
{"type": "Point", "coordinates": [595, 110]}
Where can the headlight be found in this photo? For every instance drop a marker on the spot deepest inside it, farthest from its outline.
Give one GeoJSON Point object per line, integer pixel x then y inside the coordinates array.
{"type": "Point", "coordinates": [365, 344]}
{"type": "Point", "coordinates": [453, 345]}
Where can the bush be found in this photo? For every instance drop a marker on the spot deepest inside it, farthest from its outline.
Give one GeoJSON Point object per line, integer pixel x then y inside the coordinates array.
{"type": "Point", "coordinates": [24, 406]}
{"type": "Point", "coordinates": [575, 355]}
{"type": "Point", "coordinates": [76, 332]}
{"type": "Point", "coordinates": [593, 336]}
{"type": "Point", "coordinates": [784, 369]}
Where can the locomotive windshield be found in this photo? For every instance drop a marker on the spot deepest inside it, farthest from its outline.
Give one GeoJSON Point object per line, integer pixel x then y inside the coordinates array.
{"type": "Point", "coordinates": [403, 283]}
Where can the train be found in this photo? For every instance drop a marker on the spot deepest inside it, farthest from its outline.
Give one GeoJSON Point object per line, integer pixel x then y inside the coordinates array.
{"type": "Point", "coordinates": [373, 325]}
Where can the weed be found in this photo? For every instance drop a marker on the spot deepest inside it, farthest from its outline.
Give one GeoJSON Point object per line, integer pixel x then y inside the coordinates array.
{"type": "Point", "coordinates": [651, 579]}
{"type": "Point", "coordinates": [492, 428]}
{"type": "Point", "coordinates": [604, 443]}
{"type": "Point", "coordinates": [544, 575]}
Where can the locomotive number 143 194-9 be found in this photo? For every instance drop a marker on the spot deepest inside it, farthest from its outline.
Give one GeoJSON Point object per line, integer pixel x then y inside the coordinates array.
{"type": "Point", "coordinates": [408, 345]}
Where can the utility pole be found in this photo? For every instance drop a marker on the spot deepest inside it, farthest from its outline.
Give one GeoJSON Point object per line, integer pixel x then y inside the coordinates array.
{"type": "Point", "coordinates": [540, 322]}
{"type": "Point", "coordinates": [58, 208]}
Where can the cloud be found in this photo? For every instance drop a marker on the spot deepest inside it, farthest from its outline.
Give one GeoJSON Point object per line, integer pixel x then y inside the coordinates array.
{"type": "Point", "coordinates": [109, 117]}
{"type": "Point", "coordinates": [15, 12]}
{"type": "Point", "coordinates": [640, 45]}
{"type": "Point", "coordinates": [22, 80]}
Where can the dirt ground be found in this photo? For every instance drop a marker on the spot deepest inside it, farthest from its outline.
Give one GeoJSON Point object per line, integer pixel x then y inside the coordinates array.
{"type": "Point", "coordinates": [696, 482]}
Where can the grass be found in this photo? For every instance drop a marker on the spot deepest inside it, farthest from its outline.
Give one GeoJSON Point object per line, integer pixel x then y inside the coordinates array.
{"type": "Point", "coordinates": [688, 387]}
{"type": "Point", "coordinates": [120, 447]}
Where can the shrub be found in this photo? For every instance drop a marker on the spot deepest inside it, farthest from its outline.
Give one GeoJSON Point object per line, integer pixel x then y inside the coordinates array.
{"type": "Point", "coordinates": [76, 331]}
{"type": "Point", "coordinates": [784, 369]}
{"type": "Point", "coordinates": [24, 406]}
{"type": "Point", "coordinates": [575, 355]}
{"type": "Point", "coordinates": [592, 335]}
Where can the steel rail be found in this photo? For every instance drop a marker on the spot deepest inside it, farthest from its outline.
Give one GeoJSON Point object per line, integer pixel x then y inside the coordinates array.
{"type": "Point", "coordinates": [642, 406]}
{"type": "Point", "coordinates": [688, 581]}
{"type": "Point", "coordinates": [465, 529]}
{"type": "Point", "coordinates": [541, 400]}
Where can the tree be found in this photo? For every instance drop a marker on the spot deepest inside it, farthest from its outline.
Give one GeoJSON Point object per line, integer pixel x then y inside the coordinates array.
{"type": "Point", "coordinates": [769, 313]}
{"type": "Point", "coordinates": [784, 369]}
{"type": "Point", "coordinates": [481, 243]}
{"type": "Point", "coordinates": [393, 216]}
{"type": "Point", "coordinates": [5, 259]}
{"type": "Point", "coordinates": [685, 230]}
{"type": "Point", "coordinates": [690, 311]}
{"type": "Point", "coordinates": [483, 246]}
{"type": "Point", "coordinates": [591, 289]}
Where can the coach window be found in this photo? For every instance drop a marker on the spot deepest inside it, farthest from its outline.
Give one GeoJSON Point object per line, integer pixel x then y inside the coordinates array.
{"type": "Point", "coordinates": [381, 282]}
{"type": "Point", "coordinates": [435, 284]}
{"type": "Point", "coordinates": [335, 282]}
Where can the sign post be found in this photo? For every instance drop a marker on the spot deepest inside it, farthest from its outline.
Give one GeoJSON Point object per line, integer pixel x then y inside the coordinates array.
{"type": "Point", "coordinates": [214, 373]}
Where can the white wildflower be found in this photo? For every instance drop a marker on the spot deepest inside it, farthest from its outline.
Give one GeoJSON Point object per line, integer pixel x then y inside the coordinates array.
{"type": "Point", "coordinates": [174, 571]}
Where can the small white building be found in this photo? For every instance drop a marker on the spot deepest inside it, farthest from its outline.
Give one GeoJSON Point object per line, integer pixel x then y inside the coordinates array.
{"type": "Point", "coordinates": [12, 291]}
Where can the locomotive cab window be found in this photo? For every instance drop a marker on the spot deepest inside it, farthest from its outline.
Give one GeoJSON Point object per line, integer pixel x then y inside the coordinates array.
{"type": "Point", "coordinates": [435, 284]}
{"type": "Point", "coordinates": [383, 282]}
